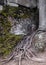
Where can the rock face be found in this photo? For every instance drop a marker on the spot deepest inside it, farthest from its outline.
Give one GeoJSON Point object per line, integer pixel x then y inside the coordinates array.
{"type": "Point", "coordinates": [27, 3]}
{"type": "Point", "coordinates": [23, 27]}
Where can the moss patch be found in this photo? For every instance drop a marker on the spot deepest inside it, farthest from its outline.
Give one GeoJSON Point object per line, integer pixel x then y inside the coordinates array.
{"type": "Point", "coordinates": [7, 40]}
{"type": "Point", "coordinates": [16, 12]}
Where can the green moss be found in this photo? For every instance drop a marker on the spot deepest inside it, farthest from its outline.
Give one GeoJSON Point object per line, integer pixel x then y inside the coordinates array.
{"type": "Point", "coordinates": [7, 40]}
{"type": "Point", "coordinates": [8, 43]}
{"type": "Point", "coordinates": [16, 12]}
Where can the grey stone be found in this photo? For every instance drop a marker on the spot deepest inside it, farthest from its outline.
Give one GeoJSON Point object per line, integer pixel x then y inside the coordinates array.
{"type": "Point", "coordinates": [27, 3]}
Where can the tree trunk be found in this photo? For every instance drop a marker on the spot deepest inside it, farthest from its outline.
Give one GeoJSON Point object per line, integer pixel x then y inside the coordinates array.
{"type": "Point", "coordinates": [42, 14]}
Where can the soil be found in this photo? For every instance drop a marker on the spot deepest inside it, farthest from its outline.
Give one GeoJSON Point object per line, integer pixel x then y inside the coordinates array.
{"type": "Point", "coordinates": [27, 61]}
{"type": "Point", "coordinates": [24, 62]}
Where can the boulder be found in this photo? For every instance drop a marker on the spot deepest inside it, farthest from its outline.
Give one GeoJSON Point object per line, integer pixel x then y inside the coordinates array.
{"type": "Point", "coordinates": [27, 3]}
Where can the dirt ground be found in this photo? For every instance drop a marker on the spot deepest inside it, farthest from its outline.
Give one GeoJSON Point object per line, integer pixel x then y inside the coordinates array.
{"type": "Point", "coordinates": [24, 62]}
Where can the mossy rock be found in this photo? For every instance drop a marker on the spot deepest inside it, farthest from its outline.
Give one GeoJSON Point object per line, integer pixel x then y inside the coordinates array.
{"type": "Point", "coordinates": [7, 40]}
{"type": "Point", "coordinates": [16, 12]}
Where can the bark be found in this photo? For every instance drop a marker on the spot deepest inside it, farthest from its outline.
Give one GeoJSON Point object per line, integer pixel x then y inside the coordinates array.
{"type": "Point", "coordinates": [42, 14]}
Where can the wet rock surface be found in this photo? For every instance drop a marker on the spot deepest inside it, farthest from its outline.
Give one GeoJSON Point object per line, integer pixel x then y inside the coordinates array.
{"type": "Point", "coordinates": [23, 26]}
{"type": "Point", "coordinates": [27, 3]}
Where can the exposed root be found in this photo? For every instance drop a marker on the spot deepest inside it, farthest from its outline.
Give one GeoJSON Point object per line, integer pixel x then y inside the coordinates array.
{"type": "Point", "coordinates": [25, 49]}
{"type": "Point", "coordinates": [35, 59]}
{"type": "Point", "coordinates": [20, 63]}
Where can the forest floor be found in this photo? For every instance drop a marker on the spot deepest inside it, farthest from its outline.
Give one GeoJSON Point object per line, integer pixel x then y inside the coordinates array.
{"type": "Point", "coordinates": [24, 62]}
{"type": "Point", "coordinates": [27, 61]}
